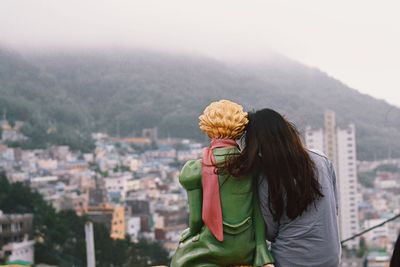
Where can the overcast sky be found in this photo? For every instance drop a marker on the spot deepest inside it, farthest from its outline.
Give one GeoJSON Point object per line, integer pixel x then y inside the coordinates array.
{"type": "Point", "coordinates": [356, 41]}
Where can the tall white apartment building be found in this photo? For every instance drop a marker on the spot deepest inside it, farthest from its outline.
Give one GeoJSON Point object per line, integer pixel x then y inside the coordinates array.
{"type": "Point", "coordinates": [339, 145]}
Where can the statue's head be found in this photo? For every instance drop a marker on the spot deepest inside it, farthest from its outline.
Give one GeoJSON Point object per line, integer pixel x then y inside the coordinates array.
{"type": "Point", "coordinates": [223, 119]}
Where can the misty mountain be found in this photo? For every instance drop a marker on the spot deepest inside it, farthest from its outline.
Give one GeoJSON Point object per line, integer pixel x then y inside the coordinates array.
{"type": "Point", "coordinates": [125, 91]}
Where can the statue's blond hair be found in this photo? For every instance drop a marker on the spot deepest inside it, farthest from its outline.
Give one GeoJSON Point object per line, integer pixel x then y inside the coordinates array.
{"type": "Point", "coordinates": [223, 119]}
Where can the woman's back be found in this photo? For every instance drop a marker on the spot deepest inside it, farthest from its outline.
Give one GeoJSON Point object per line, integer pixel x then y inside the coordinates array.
{"type": "Point", "coordinates": [311, 239]}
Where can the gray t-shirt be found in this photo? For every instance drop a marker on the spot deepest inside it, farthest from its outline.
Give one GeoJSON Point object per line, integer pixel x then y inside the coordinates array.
{"type": "Point", "coordinates": [312, 239]}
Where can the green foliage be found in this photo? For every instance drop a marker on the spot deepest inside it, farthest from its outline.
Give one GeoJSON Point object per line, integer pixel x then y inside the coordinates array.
{"type": "Point", "coordinates": [362, 249]}
{"type": "Point", "coordinates": [61, 238]}
{"type": "Point", "coordinates": [367, 179]}
{"type": "Point", "coordinates": [96, 168]}
{"type": "Point", "coordinates": [121, 168]}
{"type": "Point", "coordinates": [125, 92]}
{"type": "Point", "coordinates": [147, 254]}
{"type": "Point", "coordinates": [388, 168]}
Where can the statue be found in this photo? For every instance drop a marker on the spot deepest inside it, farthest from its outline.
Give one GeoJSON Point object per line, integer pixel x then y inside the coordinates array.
{"type": "Point", "coordinates": [226, 227]}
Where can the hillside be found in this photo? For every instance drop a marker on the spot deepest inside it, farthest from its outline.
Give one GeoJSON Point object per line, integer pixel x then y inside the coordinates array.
{"type": "Point", "coordinates": [88, 91]}
{"type": "Point", "coordinates": [36, 98]}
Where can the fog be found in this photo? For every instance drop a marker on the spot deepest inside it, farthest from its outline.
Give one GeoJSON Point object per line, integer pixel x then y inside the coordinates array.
{"type": "Point", "coordinates": [355, 41]}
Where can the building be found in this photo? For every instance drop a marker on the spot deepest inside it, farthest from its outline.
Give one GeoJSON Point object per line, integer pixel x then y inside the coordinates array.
{"type": "Point", "coordinates": [150, 133]}
{"type": "Point", "coordinates": [14, 227]}
{"type": "Point", "coordinates": [10, 133]}
{"type": "Point", "coordinates": [118, 223]}
{"type": "Point", "coordinates": [102, 214]}
{"type": "Point", "coordinates": [387, 180]}
{"type": "Point", "coordinates": [141, 209]}
{"type": "Point", "coordinates": [119, 183]}
{"type": "Point", "coordinates": [169, 225]}
{"type": "Point", "coordinates": [351, 261]}
{"type": "Point", "coordinates": [18, 252]}
{"type": "Point", "coordinates": [340, 147]}
{"type": "Point", "coordinates": [15, 230]}
{"type": "Point", "coordinates": [379, 237]}
{"type": "Point", "coordinates": [61, 153]}
{"type": "Point", "coordinates": [378, 259]}
{"type": "Point", "coordinates": [133, 228]}
{"type": "Point", "coordinates": [135, 141]}
{"type": "Point", "coordinates": [98, 194]}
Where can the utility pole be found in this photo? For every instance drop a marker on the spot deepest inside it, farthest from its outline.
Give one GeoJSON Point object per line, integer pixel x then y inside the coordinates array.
{"type": "Point", "coordinates": [90, 259]}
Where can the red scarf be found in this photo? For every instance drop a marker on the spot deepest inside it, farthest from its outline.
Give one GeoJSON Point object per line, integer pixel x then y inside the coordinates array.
{"type": "Point", "coordinates": [212, 212]}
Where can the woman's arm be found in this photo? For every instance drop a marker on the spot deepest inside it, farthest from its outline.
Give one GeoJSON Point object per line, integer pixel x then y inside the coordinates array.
{"type": "Point", "coordinates": [271, 225]}
{"type": "Point", "coordinates": [262, 256]}
{"type": "Point", "coordinates": [333, 178]}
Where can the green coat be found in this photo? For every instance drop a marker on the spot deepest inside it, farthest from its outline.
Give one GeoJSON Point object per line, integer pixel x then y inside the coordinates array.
{"type": "Point", "coordinates": [244, 229]}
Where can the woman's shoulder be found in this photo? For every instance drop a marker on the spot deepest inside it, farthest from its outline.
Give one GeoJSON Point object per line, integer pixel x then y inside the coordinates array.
{"type": "Point", "coordinates": [316, 153]}
{"type": "Point", "coordinates": [319, 158]}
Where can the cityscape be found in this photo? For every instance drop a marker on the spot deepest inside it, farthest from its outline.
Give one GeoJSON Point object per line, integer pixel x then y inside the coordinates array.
{"type": "Point", "coordinates": [130, 185]}
{"type": "Point", "coordinates": [102, 106]}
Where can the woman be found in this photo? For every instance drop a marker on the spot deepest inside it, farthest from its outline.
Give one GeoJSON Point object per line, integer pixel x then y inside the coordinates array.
{"type": "Point", "coordinates": [296, 190]}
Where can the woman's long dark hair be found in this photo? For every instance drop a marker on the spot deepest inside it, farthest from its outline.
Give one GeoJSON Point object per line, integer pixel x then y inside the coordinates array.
{"type": "Point", "coordinates": [273, 149]}
{"type": "Point", "coordinates": [395, 261]}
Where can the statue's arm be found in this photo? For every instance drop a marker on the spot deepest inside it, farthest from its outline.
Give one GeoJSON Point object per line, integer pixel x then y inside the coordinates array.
{"type": "Point", "coordinates": [263, 255]}
{"type": "Point", "coordinates": [190, 179]}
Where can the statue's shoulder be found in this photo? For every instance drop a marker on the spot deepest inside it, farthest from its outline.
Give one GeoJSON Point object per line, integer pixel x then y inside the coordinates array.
{"type": "Point", "coordinates": [190, 177]}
